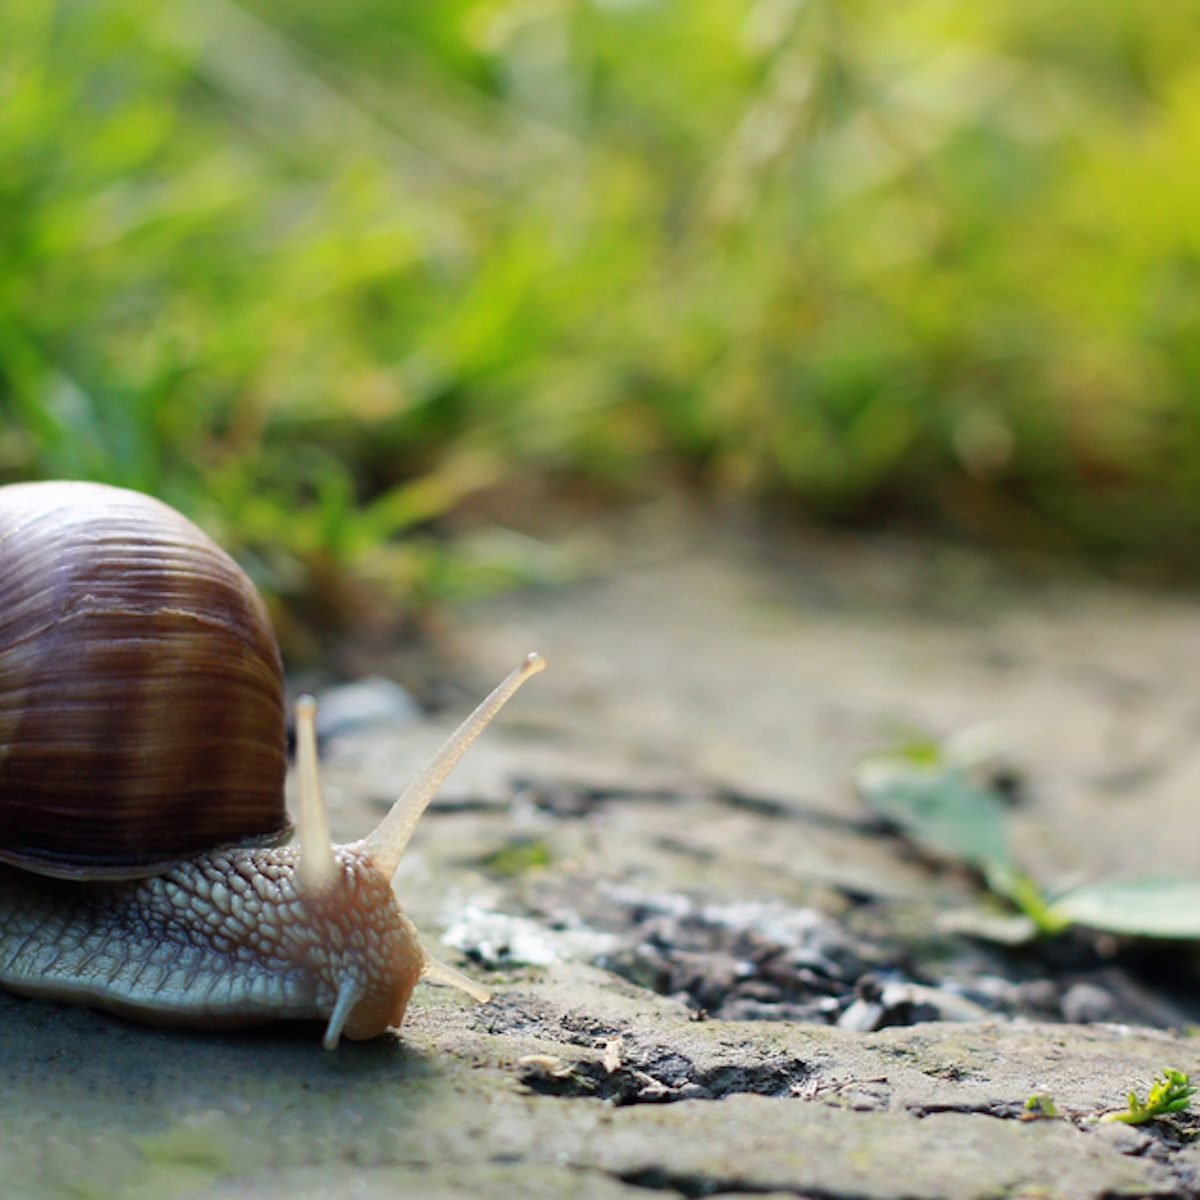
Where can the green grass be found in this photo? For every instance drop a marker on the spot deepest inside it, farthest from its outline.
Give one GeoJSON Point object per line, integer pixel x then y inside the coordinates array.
{"type": "Point", "coordinates": [320, 274]}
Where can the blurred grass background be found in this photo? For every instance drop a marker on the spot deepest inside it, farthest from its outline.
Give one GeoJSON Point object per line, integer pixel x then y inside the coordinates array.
{"type": "Point", "coordinates": [324, 276]}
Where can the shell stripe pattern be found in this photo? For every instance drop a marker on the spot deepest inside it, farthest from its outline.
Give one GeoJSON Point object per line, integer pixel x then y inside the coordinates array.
{"type": "Point", "coordinates": [111, 585]}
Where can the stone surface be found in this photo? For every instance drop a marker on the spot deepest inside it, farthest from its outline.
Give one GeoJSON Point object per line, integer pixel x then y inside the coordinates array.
{"type": "Point", "coordinates": [772, 668]}
{"type": "Point", "coordinates": [527, 1096]}
{"type": "Point", "coordinates": [683, 768]}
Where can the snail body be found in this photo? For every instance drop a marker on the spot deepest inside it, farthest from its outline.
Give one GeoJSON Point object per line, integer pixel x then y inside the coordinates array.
{"type": "Point", "coordinates": [141, 789]}
{"type": "Point", "coordinates": [221, 940]}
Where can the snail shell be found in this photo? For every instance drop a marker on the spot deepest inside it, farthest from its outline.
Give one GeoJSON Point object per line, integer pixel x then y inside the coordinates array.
{"type": "Point", "coordinates": [141, 687]}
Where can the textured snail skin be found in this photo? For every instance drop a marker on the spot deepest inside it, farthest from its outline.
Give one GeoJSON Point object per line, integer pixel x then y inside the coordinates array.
{"type": "Point", "coordinates": [222, 940]}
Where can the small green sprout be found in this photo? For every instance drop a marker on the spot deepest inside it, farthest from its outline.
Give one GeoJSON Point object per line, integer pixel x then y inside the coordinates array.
{"type": "Point", "coordinates": [1170, 1093]}
{"type": "Point", "coordinates": [1039, 1104]}
{"type": "Point", "coordinates": [1027, 898]}
{"type": "Point", "coordinates": [516, 858]}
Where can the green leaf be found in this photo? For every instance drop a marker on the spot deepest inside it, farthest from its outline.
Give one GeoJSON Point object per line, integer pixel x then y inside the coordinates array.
{"type": "Point", "coordinates": [1158, 908]}
{"type": "Point", "coordinates": [938, 806]}
{"type": "Point", "coordinates": [1171, 1092]}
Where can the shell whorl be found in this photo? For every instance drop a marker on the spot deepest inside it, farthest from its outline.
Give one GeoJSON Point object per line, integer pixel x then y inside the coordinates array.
{"type": "Point", "coordinates": [141, 689]}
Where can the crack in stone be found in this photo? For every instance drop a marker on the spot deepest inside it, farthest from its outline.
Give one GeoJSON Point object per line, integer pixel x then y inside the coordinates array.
{"type": "Point", "coordinates": [695, 1187]}
{"type": "Point", "coordinates": [1004, 1110]}
{"type": "Point", "coordinates": [660, 1076]}
{"type": "Point", "coordinates": [575, 798]}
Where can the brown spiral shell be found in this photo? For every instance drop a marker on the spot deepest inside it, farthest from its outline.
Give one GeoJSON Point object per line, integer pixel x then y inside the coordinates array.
{"type": "Point", "coordinates": [141, 690]}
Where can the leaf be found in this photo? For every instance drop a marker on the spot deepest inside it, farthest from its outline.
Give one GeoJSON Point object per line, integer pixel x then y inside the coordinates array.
{"type": "Point", "coordinates": [938, 806]}
{"type": "Point", "coordinates": [1156, 908]}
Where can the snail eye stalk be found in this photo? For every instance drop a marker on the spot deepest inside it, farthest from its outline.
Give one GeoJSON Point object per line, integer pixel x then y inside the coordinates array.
{"type": "Point", "coordinates": [386, 845]}
{"type": "Point", "coordinates": [316, 869]}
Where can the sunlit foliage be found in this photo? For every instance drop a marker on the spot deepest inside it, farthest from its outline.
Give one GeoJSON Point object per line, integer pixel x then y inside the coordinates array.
{"type": "Point", "coordinates": [318, 272]}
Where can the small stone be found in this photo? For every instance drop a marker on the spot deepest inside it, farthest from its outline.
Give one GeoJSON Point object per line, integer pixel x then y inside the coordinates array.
{"type": "Point", "coordinates": [1087, 1004]}
{"type": "Point", "coordinates": [350, 707]}
{"type": "Point", "coordinates": [863, 1016]}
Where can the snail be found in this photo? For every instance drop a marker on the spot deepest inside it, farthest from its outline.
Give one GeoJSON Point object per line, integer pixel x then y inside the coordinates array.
{"type": "Point", "coordinates": [142, 764]}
